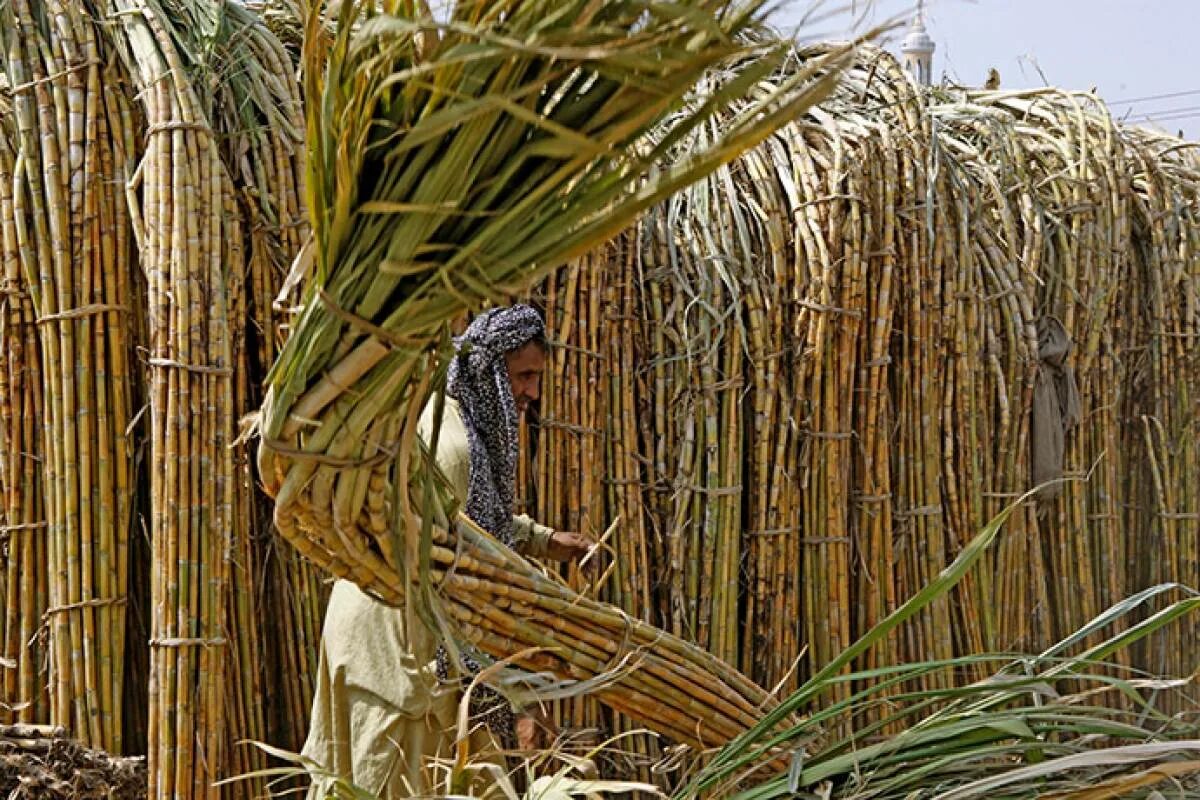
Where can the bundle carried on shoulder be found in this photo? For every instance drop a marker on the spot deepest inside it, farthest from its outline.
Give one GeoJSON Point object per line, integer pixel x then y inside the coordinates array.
{"type": "Point", "coordinates": [452, 163]}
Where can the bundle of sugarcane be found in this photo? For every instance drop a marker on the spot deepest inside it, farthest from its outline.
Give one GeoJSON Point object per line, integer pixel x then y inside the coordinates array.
{"type": "Point", "coordinates": [191, 249]}
{"type": "Point", "coordinates": [706, 501]}
{"type": "Point", "coordinates": [22, 513]}
{"type": "Point", "coordinates": [256, 113]}
{"type": "Point", "coordinates": [70, 239]}
{"type": "Point", "coordinates": [451, 163]}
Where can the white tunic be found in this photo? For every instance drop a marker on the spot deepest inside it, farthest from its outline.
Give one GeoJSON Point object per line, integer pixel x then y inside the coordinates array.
{"type": "Point", "coordinates": [379, 718]}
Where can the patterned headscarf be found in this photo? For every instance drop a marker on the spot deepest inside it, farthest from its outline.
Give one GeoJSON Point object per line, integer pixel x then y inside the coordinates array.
{"type": "Point", "coordinates": [479, 381]}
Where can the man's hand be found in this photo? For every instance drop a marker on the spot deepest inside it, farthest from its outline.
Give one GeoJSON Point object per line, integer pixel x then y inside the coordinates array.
{"type": "Point", "coordinates": [566, 546]}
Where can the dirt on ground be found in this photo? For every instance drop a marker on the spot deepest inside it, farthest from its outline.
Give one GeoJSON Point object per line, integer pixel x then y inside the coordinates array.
{"type": "Point", "coordinates": [42, 762]}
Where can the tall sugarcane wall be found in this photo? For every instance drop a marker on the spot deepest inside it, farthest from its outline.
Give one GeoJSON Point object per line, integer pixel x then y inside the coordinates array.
{"type": "Point", "coordinates": [804, 384]}
{"type": "Point", "coordinates": [151, 168]}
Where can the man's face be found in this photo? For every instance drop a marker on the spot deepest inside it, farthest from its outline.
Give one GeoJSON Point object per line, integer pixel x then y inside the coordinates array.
{"type": "Point", "coordinates": [525, 365]}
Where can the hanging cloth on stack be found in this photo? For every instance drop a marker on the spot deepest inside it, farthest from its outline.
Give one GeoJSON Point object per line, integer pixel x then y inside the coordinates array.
{"type": "Point", "coordinates": [1056, 407]}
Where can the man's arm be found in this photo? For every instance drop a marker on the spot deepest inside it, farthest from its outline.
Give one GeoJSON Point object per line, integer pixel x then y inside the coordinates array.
{"type": "Point", "coordinates": [534, 539]}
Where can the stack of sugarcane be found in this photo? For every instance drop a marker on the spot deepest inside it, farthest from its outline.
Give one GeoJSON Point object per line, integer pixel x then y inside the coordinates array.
{"type": "Point", "coordinates": [450, 165]}
{"type": "Point", "coordinates": [881, 268]}
{"type": "Point", "coordinates": [257, 115]}
{"type": "Point", "coordinates": [188, 116]}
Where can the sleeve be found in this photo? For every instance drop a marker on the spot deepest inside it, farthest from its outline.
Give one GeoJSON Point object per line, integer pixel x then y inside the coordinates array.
{"type": "Point", "coordinates": [531, 538]}
{"type": "Point", "coordinates": [454, 458]}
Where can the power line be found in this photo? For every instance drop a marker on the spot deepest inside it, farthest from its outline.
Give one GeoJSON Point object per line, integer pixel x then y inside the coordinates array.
{"type": "Point", "coordinates": [1167, 119]}
{"type": "Point", "coordinates": [1148, 98]}
{"type": "Point", "coordinates": [1166, 112]}
{"type": "Point", "coordinates": [1159, 120]}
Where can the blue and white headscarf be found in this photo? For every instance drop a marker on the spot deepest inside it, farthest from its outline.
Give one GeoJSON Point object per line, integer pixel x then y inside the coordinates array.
{"type": "Point", "coordinates": [479, 381]}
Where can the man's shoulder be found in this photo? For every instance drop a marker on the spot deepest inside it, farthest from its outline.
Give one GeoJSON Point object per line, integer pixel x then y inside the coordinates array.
{"type": "Point", "coordinates": [451, 415]}
{"type": "Point", "coordinates": [453, 453]}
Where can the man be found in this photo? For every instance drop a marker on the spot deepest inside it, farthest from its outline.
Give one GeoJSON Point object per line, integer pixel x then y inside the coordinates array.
{"type": "Point", "coordinates": [380, 715]}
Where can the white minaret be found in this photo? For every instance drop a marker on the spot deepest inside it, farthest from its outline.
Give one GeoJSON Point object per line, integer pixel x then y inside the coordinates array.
{"type": "Point", "coordinates": [918, 48]}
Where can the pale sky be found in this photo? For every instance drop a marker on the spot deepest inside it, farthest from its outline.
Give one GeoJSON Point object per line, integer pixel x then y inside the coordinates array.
{"type": "Point", "coordinates": [1132, 51]}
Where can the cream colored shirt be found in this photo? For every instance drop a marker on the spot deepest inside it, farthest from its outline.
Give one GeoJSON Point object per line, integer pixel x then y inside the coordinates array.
{"type": "Point", "coordinates": [379, 717]}
{"type": "Point", "coordinates": [454, 458]}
